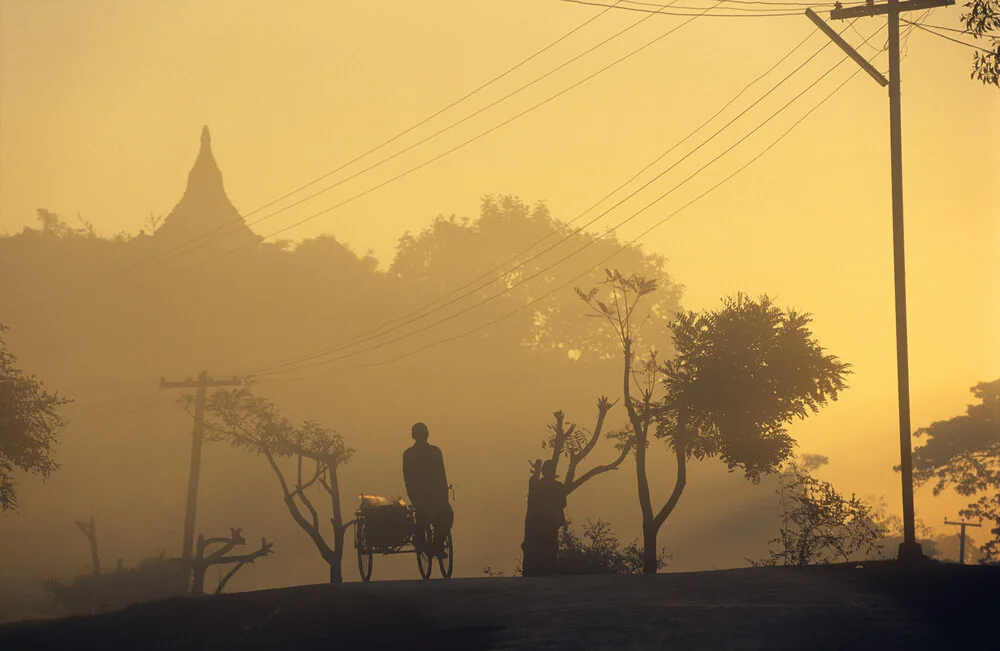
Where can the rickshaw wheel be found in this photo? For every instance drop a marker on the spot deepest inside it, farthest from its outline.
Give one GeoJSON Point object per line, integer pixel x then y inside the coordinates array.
{"type": "Point", "coordinates": [447, 564]}
{"type": "Point", "coordinates": [365, 560]}
{"type": "Point", "coordinates": [425, 561]}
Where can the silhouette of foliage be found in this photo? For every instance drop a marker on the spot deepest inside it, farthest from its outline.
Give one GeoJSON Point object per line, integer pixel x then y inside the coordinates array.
{"type": "Point", "coordinates": [502, 240]}
{"type": "Point", "coordinates": [819, 525]}
{"type": "Point", "coordinates": [252, 423]}
{"type": "Point", "coordinates": [28, 425]}
{"type": "Point", "coordinates": [739, 375]}
{"type": "Point", "coordinates": [598, 551]}
{"type": "Point", "coordinates": [963, 453]}
{"type": "Point", "coordinates": [154, 578]}
{"type": "Point", "coordinates": [982, 21]}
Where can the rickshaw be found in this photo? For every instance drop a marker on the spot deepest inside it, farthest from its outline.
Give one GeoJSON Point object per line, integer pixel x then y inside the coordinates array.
{"type": "Point", "coordinates": [385, 527]}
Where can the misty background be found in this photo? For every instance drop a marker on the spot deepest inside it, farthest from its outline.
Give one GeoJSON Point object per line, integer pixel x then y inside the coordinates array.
{"type": "Point", "coordinates": [102, 118]}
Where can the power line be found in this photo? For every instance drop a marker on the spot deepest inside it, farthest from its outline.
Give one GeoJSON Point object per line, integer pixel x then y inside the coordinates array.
{"type": "Point", "coordinates": [373, 335]}
{"type": "Point", "coordinates": [744, 7]}
{"type": "Point", "coordinates": [752, 2]}
{"type": "Point", "coordinates": [777, 14]}
{"type": "Point", "coordinates": [941, 27]}
{"type": "Point", "coordinates": [451, 150]}
{"type": "Point", "coordinates": [440, 131]}
{"type": "Point", "coordinates": [946, 37]}
{"type": "Point", "coordinates": [581, 275]}
{"type": "Point", "coordinates": [610, 230]}
{"type": "Point", "coordinates": [162, 255]}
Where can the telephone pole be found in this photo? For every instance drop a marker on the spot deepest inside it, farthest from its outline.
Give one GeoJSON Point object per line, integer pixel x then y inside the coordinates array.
{"type": "Point", "coordinates": [909, 549]}
{"type": "Point", "coordinates": [201, 384]}
{"type": "Point", "coordinates": [961, 538]}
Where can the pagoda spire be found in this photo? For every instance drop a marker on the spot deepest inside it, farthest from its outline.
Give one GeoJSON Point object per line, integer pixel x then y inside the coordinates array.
{"type": "Point", "coordinates": [204, 206]}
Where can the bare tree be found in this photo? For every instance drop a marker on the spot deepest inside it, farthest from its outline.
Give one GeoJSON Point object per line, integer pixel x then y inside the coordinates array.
{"type": "Point", "coordinates": [89, 530]}
{"type": "Point", "coordinates": [576, 443]}
{"type": "Point", "coordinates": [202, 562]}
{"type": "Point", "coordinates": [253, 423]}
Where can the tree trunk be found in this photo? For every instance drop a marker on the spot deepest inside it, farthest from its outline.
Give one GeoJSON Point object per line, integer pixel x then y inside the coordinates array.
{"type": "Point", "coordinates": [336, 575]}
{"type": "Point", "coordinates": [337, 557]}
{"type": "Point", "coordinates": [649, 531]}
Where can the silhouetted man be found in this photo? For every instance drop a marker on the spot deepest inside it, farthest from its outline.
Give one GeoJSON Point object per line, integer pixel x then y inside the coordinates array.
{"type": "Point", "coordinates": [546, 504]}
{"type": "Point", "coordinates": [427, 487]}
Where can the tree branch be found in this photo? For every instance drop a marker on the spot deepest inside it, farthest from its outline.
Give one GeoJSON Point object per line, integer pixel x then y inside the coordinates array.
{"type": "Point", "coordinates": [597, 470]}
{"type": "Point", "coordinates": [679, 483]}
{"type": "Point", "coordinates": [265, 549]}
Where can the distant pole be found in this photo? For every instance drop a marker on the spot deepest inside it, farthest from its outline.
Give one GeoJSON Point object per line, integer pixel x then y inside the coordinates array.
{"type": "Point", "coordinates": [961, 537]}
{"type": "Point", "coordinates": [201, 385]}
{"type": "Point", "coordinates": [909, 549]}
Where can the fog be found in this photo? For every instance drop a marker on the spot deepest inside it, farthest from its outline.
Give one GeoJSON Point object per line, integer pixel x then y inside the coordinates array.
{"type": "Point", "coordinates": [467, 322]}
{"type": "Point", "coordinates": [102, 320]}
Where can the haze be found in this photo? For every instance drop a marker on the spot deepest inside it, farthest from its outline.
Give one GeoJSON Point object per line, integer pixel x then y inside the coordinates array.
{"type": "Point", "coordinates": [102, 107]}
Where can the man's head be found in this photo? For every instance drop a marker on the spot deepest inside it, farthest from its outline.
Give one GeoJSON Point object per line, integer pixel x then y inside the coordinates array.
{"type": "Point", "coordinates": [549, 469]}
{"type": "Point", "coordinates": [419, 432]}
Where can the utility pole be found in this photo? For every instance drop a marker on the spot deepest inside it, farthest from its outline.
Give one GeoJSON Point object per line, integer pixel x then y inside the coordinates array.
{"type": "Point", "coordinates": [202, 384]}
{"type": "Point", "coordinates": [961, 537]}
{"type": "Point", "coordinates": [909, 549]}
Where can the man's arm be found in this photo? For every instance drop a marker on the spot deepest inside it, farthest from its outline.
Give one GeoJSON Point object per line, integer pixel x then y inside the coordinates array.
{"type": "Point", "coordinates": [408, 475]}
{"type": "Point", "coordinates": [444, 475]}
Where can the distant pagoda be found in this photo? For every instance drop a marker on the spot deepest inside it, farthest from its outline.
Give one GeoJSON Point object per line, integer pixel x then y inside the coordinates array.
{"type": "Point", "coordinates": [204, 223]}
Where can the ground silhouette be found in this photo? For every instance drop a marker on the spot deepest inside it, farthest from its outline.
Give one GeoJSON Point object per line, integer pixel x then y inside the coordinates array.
{"type": "Point", "coordinates": [875, 606]}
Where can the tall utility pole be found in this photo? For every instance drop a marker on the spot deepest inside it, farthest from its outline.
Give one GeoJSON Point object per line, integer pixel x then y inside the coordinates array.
{"type": "Point", "coordinates": [961, 538]}
{"type": "Point", "coordinates": [201, 385]}
{"type": "Point", "coordinates": [909, 549]}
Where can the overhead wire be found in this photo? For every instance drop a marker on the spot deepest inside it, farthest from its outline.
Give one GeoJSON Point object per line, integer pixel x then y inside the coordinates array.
{"type": "Point", "coordinates": [946, 37]}
{"type": "Point", "coordinates": [775, 14]}
{"type": "Point", "coordinates": [447, 152]}
{"type": "Point", "coordinates": [413, 315]}
{"type": "Point", "coordinates": [563, 259]}
{"type": "Point", "coordinates": [585, 272]}
{"type": "Point", "coordinates": [374, 334]}
{"type": "Point", "coordinates": [451, 126]}
{"type": "Point", "coordinates": [162, 255]}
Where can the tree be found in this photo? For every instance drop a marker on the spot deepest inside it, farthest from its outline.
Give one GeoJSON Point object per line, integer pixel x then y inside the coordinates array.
{"type": "Point", "coordinates": [252, 423]}
{"type": "Point", "coordinates": [576, 443]}
{"type": "Point", "coordinates": [28, 426]}
{"type": "Point", "coordinates": [202, 560]}
{"type": "Point", "coordinates": [819, 524]}
{"type": "Point", "coordinates": [982, 21]}
{"type": "Point", "coordinates": [964, 453]}
{"type": "Point", "coordinates": [739, 375]}
{"type": "Point", "coordinates": [510, 256]}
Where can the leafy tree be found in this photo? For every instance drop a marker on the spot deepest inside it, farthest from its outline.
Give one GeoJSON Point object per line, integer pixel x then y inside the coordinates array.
{"type": "Point", "coordinates": [598, 551]}
{"type": "Point", "coordinates": [28, 426]}
{"type": "Point", "coordinates": [466, 257]}
{"type": "Point", "coordinates": [963, 453]}
{"type": "Point", "coordinates": [819, 524]}
{"type": "Point", "coordinates": [982, 21]}
{"type": "Point", "coordinates": [739, 375]}
{"type": "Point", "coordinates": [253, 424]}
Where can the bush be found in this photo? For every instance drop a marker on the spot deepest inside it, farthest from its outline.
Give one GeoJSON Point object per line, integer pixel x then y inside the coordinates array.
{"type": "Point", "coordinates": [600, 552]}
{"type": "Point", "coordinates": [156, 577]}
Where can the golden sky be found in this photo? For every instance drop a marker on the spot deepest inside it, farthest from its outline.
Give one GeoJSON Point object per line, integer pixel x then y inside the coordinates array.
{"type": "Point", "coordinates": [102, 103]}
